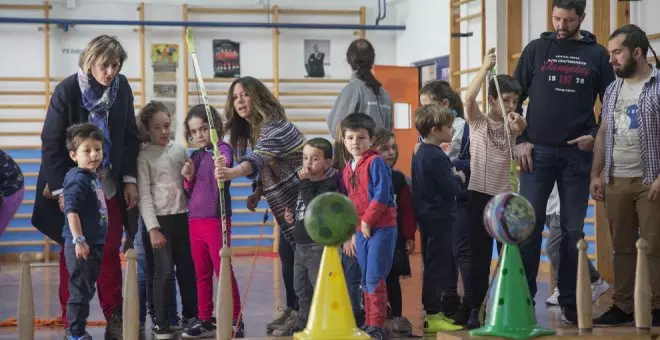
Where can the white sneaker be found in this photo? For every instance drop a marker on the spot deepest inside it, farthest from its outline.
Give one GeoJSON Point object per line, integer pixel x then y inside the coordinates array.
{"type": "Point", "coordinates": [599, 288]}
{"type": "Point", "coordinates": [553, 299]}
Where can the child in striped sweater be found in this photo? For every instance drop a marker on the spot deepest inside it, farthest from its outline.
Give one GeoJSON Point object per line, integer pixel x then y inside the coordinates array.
{"type": "Point", "coordinates": [205, 220]}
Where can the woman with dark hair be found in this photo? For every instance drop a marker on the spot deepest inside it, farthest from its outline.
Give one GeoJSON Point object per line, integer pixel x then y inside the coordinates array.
{"type": "Point", "coordinates": [363, 93]}
{"type": "Point", "coordinates": [97, 94]}
{"type": "Point", "coordinates": [256, 119]}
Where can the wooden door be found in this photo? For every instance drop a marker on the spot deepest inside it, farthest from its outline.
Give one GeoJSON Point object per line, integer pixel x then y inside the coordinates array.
{"type": "Point", "coordinates": [402, 84]}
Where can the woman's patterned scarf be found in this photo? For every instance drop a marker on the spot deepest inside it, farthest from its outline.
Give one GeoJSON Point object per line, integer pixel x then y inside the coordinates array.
{"type": "Point", "coordinates": [98, 102]}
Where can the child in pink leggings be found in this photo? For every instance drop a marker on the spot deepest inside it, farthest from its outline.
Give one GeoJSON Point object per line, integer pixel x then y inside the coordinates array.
{"type": "Point", "coordinates": [11, 190]}
{"type": "Point", "coordinates": [204, 218]}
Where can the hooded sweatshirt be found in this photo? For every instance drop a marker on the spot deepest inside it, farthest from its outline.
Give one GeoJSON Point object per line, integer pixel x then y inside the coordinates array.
{"type": "Point", "coordinates": [562, 78]}
{"type": "Point", "coordinates": [358, 97]}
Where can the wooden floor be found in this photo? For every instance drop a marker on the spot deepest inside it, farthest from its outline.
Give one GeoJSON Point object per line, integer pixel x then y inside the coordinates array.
{"type": "Point", "coordinates": [265, 294]}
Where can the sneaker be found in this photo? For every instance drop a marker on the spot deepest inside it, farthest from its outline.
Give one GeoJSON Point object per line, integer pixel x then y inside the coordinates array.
{"type": "Point", "coordinates": [238, 328]}
{"type": "Point", "coordinates": [553, 300]}
{"type": "Point", "coordinates": [201, 329]}
{"type": "Point", "coordinates": [162, 333]}
{"type": "Point", "coordinates": [287, 331]}
{"type": "Point", "coordinates": [177, 324]}
{"type": "Point", "coordinates": [114, 329]}
{"type": "Point", "coordinates": [85, 336]}
{"type": "Point", "coordinates": [599, 288]}
{"type": "Point", "coordinates": [614, 316]}
{"type": "Point", "coordinates": [279, 321]}
{"type": "Point", "coordinates": [569, 314]}
{"type": "Point", "coordinates": [288, 325]}
{"type": "Point", "coordinates": [450, 305]}
{"type": "Point", "coordinates": [66, 334]}
{"type": "Point", "coordinates": [378, 333]}
{"type": "Point", "coordinates": [655, 317]}
{"type": "Point", "coordinates": [463, 313]}
{"type": "Point", "coordinates": [438, 323]}
{"type": "Point", "coordinates": [473, 321]}
{"type": "Point", "coordinates": [401, 325]}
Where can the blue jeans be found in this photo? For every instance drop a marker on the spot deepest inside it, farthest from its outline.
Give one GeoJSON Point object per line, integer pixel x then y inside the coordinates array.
{"type": "Point", "coordinates": [82, 280]}
{"type": "Point", "coordinates": [570, 167]}
{"type": "Point", "coordinates": [353, 278]}
{"type": "Point", "coordinates": [145, 278]}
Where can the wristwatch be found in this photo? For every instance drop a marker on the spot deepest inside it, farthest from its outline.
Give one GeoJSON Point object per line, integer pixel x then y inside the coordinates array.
{"type": "Point", "coordinates": [79, 240]}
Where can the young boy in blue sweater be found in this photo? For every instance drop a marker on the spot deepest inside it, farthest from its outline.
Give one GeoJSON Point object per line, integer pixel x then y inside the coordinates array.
{"type": "Point", "coordinates": [86, 223]}
{"type": "Point", "coordinates": [435, 185]}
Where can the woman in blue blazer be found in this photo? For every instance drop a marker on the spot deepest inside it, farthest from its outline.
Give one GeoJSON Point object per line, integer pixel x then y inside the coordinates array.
{"type": "Point", "coordinates": [96, 94]}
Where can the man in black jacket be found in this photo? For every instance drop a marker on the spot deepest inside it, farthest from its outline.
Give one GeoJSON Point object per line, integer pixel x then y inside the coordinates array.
{"type": "Point", "coordinates": [562, 72]}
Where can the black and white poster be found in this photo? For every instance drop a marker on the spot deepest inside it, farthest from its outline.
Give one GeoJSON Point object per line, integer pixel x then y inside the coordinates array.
{"type": "Point", "coordinates": [226, 59]}
{"type": "Point", "coordinates": [317, 57]}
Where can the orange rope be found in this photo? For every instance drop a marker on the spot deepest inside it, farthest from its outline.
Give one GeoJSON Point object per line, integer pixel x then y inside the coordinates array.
{"type": "Point", "coordinates": [41, 323]}
{"type": "Point", "coordinates": [254, 263]}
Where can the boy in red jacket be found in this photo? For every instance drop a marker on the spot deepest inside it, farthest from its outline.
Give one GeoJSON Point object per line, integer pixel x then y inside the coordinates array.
{"type": "Point", "coordinates": [368, 181]}
{"type": "Point", "coordinates": [385, 144]}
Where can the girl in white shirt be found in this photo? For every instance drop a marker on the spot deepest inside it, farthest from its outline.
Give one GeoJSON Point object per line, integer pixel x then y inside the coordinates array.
{"type": "Point", "coordinates": [164, 209]}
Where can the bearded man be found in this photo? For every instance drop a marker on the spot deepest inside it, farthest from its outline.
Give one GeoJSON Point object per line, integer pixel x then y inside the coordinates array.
{"type": "Point", "coordinates": [562, 73]}
{"type": "Point", "coordinates": [628, 149]}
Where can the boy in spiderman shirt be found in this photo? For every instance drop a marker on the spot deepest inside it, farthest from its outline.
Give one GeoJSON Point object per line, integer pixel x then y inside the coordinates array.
{"type": "Point", "coordinates": [368, 181]}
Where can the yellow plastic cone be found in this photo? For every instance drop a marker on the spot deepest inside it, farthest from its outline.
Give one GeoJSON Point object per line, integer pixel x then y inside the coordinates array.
{"type": "Point", "coordinates": [331, 315]}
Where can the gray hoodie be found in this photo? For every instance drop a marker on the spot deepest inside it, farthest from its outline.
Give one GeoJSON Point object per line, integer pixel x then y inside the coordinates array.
{"type": "Point", "coordinates": [358, 97]}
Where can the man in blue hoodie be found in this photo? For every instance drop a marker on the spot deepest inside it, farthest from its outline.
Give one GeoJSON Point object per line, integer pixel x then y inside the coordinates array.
{"type": "Point", "coordinates": [562, 73]}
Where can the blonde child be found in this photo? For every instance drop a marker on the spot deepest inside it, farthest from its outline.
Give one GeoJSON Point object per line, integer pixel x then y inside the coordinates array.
{"type": "Point", "coordinates": [164, 208]}
{"type": "Point", "coordinates": [204, 218]}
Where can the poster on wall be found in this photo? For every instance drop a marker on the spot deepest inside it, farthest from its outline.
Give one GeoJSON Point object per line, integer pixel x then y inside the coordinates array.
{"type": "Point", "coordinates": [164, 60]}
{"type": "Point", "coordinates": [165, 90]}
{"type": "Point", "coordinates": [316, 57]}
{"type": "Point", "coordinates": [226, 59]}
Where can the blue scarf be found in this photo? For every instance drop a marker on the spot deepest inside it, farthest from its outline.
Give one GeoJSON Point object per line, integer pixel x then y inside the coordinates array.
{"type": "Point", "coordinates": [98, 102]}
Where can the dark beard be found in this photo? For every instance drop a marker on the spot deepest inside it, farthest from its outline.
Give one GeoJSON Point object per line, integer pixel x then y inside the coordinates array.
{"type": "Point", "coordinates": [627, 70]}
{"type": "Point", "coordinates": [570, 34]}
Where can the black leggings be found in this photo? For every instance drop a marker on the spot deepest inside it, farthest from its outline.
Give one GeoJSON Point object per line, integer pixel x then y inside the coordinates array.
{"type": "Point", "coordinates": [481, 246]}
{"type": "Point", "coordinates": [286, 252]}
{"type": "Point", "coordinates": [394, 293]}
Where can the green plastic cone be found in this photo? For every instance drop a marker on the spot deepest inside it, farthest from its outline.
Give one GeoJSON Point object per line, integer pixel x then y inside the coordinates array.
{"type": "Point", "coordinates": [510, 311]}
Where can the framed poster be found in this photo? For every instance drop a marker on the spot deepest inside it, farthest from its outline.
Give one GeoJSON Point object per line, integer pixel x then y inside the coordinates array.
{"type": "Point", "coordinates": [226, 59]}
{"type": "Point", "coordinates": [164, 60]}
{"type": "Point", "coordinates": [316, 57]}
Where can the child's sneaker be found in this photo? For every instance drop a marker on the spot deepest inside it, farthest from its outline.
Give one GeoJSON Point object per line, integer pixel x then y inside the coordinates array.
{"type": "Point", "coordinates": [238, 328]}
{"type": "Point", "coordinates": [201, 329]}
{"type": "Point", "coordinates": [438, 323]}
{"type": "Point", "coordinates": [553, 300]}
{"type": "Point", "coordinates": [599, 288]}
{"type": "Point", "coordinates": [378, 333]}
{"type": "Point", "coordinates": [473, 320]}
{"type": "Point", "coordinates": [287, 326]}
{"type": "Point", "coordinates": [401, 325]}
{"type": "Point", "coordinates": [85, 336]}
{"type": "Point", "coordinates": [162, 333]}
{"type": "Point", "coordinates": [279, 321]}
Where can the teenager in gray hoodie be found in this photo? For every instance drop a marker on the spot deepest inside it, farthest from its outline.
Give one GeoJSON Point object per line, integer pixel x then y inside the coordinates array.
{"type": "Point", "coordinates": [363, 93]}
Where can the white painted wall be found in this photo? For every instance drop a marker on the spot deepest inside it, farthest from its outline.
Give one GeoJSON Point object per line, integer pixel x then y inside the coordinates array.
{"type": "Point", "coordinates": [25, 57]}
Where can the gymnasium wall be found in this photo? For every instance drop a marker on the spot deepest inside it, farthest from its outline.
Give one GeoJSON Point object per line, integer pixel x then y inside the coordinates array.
{"type": "Point", "coordinates": [307, 101]}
